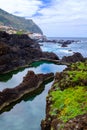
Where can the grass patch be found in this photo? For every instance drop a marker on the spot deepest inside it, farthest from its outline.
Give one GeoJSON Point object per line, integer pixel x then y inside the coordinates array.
{"type": "Point", "coordinates": [69, 98]}
{"type": "Point", "coordinates": [78, 75]}
{"type": "Point", "coordinates": [69, 103]}
{"type": "Point", "coordinates": [79, 66]}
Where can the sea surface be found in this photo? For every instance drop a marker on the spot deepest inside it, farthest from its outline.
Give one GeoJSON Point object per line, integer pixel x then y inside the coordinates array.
{"type": "Point", "coordinates": [27, 114]}
{"type": "Point", "coordinates": [79, 46]}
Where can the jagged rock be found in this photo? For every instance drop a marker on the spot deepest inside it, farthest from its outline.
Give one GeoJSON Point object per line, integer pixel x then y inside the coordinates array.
{"type": "Point", "coordinates": [19, 51]}
{"type": "Point", "coordinates": [78, 123]}
{"type": "Point", "coordinates": [50, 55]}
{"type": "Point", "coordinates": [62, 42]}
{"type": "Point", "coordinates": [74, 58]}
{"type": "Point", "coordinates": [4, 49]}
{"type": "Point", "coordinates": [31, 82]}
{"type": "Point", "coordinates": [64, 45]}
{"type": "Point", "coordinates": [4, 35]}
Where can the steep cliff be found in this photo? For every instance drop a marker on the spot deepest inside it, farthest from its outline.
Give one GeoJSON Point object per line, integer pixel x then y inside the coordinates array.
{"type": "Point", "coordinates": [7, 19]}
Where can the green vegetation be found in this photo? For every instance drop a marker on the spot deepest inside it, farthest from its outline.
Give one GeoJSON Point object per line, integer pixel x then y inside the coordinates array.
{"type": "Point", "coordinates": [79, 66]}
{"type": "Point", "coordinates": [20, 32]}
{"type": "Point", "coordinates": [76, 76]}
{"type": "Point", "coordinates": [70, 96]}
{"type": "Point", "coordinates": [70, 102]}
{"type": "Point", "coordinates": [18, 22]}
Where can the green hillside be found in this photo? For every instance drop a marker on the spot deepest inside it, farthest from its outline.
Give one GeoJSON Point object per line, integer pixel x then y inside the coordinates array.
{"type": "Point", "coordinates": [7, 19]}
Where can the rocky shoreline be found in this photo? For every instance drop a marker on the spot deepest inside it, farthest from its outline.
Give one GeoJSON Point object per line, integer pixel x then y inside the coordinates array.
{"type": "Point", "coordinates": [19, 51]}
{"type": "Point", "coordinates": [31, 82]}
{"type": "Point", "coordinates": [63, 43]}
{"type": "Point", "coordinates": [66, 107]}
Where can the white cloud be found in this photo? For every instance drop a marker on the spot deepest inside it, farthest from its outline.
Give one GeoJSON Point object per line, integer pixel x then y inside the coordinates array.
{"type": "Point", "coordinates": [67, 10]}
{"type": "Point", "coordinates": [60, 17]}
{"type": "Point", "coordinates": [64, 16]}
{"type": "Point", "coordinates": [23, 7]}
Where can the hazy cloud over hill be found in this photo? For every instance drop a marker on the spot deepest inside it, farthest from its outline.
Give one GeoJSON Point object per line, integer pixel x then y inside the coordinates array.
{"type": "Point", "coordinates": [55, 17]}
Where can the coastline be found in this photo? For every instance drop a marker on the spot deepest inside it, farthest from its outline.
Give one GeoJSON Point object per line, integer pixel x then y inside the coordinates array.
{"type": "Point", "coordinates": [58, 116]}
{"type": "Point", "coordinates": [35, 57]}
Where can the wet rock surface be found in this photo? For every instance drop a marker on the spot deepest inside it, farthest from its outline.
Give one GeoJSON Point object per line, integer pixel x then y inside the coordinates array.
{"type": "Point", "coordinates": [31, 82]}
{"type": "Point", "coordinates": [18, 51]}
{"type": "Point", "coordinates": [74, 58]}
{"type": "Point", "coordinates": [64, 43]}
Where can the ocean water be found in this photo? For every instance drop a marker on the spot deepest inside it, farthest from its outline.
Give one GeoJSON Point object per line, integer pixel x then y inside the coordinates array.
{"type": "Point", "coordinates": [27, 114]}
{"type": "Point", "coordinates": [79, 46]}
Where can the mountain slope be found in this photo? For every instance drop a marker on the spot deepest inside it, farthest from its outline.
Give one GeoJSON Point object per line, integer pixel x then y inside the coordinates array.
{"type": "Point", "coordinates": [18, 22]}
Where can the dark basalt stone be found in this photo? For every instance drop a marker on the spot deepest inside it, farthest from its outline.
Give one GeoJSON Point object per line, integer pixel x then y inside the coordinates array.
{"type": "Point", "coordinates": [18, 51]}
{"type": "Point", "coordinates": [31, 82]}
{"type": "Point", "coordinates": [78, 123]}
{"type": "Point", "coordinates": [64, 45]}
{"type": "Point", "coordinates": [72, 59]}
{"type": "Point", "coordinates": [4, 35]}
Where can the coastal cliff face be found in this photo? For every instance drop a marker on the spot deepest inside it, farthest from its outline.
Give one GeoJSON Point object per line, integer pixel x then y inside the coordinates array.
{"type": "Point", "coordinates": [18, 51]}
{"type": "Point", "coordinates": [66, 107]}
{"type": "Point", "coordinates": [18, 23]}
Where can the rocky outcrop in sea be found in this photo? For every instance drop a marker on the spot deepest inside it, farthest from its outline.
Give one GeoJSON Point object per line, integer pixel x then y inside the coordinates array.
{"type": "Point", "coordinates": [63, 43]}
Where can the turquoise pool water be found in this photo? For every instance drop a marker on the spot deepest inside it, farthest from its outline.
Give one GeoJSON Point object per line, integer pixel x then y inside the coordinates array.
{"type": "Point", "coordinates": [27, 114]}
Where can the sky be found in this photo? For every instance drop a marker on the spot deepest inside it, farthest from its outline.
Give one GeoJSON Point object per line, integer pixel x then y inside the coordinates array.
{"type": "Point", "coordinates": [57, 18]}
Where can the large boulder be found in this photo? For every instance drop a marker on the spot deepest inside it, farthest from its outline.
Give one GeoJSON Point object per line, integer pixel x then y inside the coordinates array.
{"type": "Point", "coordinates": [72, 59]}
{"type": "Point", "coordinates": [50, 55]}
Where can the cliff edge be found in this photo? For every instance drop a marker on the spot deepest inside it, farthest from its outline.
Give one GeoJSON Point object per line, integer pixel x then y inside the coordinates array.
{"type": "Point", "coordinates": [18, 23]}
